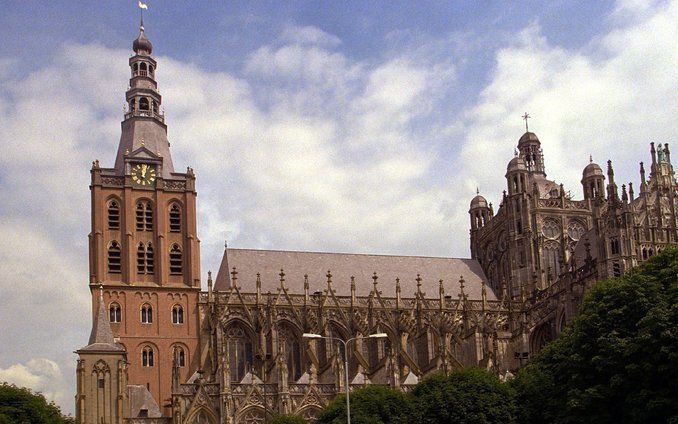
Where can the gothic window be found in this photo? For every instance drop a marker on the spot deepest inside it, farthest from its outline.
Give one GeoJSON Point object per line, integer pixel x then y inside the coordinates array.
{"type": "Point", "coordinates": [141, 259]}
{"type": "Point", "coordinates": [115, 314]}
{"type": "Point", "coordinates": [575, 230]}
{"type": "Point", "coordinates": [176, 259]}
{"type": "Point", "coordinates": [616, 269]}
{"type": "Point", "coordinates": [114, 257]}
{"type": "Point", "coordinates": [240, 352]}
{"type": "Point", "coordinates": [175, 218]}
{"type": "Point", "coordinates": [552, 259]}
{"type": "Point", "coordinates": [147, 356]}
{"type": "Point", "coordinates": [177, 314]}
{"type": "Point", "coordinates": [146, 314]}
{"type": "Point", "coordinates": [644, 253]}
{"type": "Point", "coordinates": [144, 216]}
{"type": "Point", "coordinates": [150, 264]}
{"type": "Point", "coordinates": [550, 229]}
{"type": "Point", "coordinates": [614, 246]}
{"type": "Point", "coordinates": [292, 350]}
{"type": "Point", "coordinates": [145, 264]}
{"type": "Point", "coordinates": [179, 356]}
{"type": "Point", "coordinates": [113, 215]}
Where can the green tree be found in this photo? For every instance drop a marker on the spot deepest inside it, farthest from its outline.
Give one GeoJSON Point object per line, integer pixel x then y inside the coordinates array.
{"type": "Point", "coordinates": [370, 405]}
{"type": "Point", "coordinates": [287, 419]}
{"type": "Point", "coordinates": [617, 361]}
{"type": "Point", "coordinates": [19, 405]}
{"type": "Point", "coordinates": [469, 395]}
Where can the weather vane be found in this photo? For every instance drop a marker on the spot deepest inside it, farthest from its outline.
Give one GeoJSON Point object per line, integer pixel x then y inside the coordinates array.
{"type": "Point", "coordinates": [142, 6]}
{"type": "Point", "coordinates": [525, 118]}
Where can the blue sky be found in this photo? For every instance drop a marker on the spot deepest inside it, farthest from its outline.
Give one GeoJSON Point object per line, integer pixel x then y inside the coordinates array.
{"type": "Point", "coordinates": [333, 126]}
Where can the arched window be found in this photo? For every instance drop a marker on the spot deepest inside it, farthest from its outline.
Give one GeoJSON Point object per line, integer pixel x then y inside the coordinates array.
{"type": "Point", "coordinates": [179, 356]}
{"type": "Point", "coordinates": [292, 351]}
{"type": "Point", "coordinates": [145, 257]}
{"type": "Point", "coordinates": [150, 70]}
{"type": "Point", "coordinates": [175, 218]}
{"type": "Point", "coordinates": [113, 215]}
{"type": "Point", "coordinates": [614, 246]}
{"type": "Point", "coordinates": [115, 314]}
{"type": "Point", "coordinates": [146, 314]}
{"type": "Point", "coordinates": [240, 352]}
{"type": "Point", "coordinates": [552, 258]}
{"type": "Point", "coordinates": [177, 314]}
{"type": "Point", "coordinates": [144, 216]}
{"type": "Point", "coordinates": [141, 259]}
{"type": "Point", "coordinates": [176, 260]}
{"type": "Point", "coordinates": [114, 257]}
{"type": "Point", "coordinates": [150, 264]}
{"type": "Point", "coordinates": [147, 356]}
{"type": "Point", "coordinates": [143, 103]}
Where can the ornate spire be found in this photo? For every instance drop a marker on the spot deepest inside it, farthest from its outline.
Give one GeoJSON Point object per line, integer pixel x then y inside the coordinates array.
{"type": "Point", "coordinates": [101, 337]}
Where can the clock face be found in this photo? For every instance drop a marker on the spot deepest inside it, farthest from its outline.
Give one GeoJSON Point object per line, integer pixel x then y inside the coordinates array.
{"type": "Point", "coordinates": [143, 174]}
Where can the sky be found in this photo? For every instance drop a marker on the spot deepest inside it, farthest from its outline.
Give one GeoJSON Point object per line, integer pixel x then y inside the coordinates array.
{"type": "Point", "coordinates": [353, 126]}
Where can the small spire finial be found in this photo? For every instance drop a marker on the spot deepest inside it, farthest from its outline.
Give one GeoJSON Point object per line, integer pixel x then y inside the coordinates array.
{"type": "Point", "coordinates": [282, 277]}
{"type": "Point", "coordinates": [234, 277]}
{"type": "Point", "coordinates": [525, 117]}
{"type": "Point", "coordinates": [590, 158]}
{"type": "Point", "coordinates": [101, 292]}
{"type": "Point", "coordinates": [477, 190]}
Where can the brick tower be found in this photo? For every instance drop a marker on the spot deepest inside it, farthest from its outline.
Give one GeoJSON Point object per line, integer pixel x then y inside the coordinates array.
{"type": "Point", "coordinates": [143, 246]}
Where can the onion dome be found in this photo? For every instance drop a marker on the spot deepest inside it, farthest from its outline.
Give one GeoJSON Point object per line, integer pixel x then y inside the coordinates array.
{"type": "Point", "coordinates": [516, 164]}
{"type": "Point", "coordinates": [592, 169]}
{"type": "Point", "coordinates": [479, 202]}
{"type": "Point", "coordinates": [142, 45]}
{"type": "Point", "coordinates": [528, 137]}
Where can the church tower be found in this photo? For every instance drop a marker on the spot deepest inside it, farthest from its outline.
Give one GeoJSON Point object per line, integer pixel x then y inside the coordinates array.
{"type": "Point", "coordinates": [143, 246]}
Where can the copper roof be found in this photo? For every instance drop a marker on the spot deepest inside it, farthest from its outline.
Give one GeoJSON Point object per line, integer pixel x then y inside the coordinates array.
{"type": "Point", "coordinates": [249, 262]}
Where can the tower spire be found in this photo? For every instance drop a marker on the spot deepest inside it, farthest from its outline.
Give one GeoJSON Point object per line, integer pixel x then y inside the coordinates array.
{"type": "Point", "coordinates": [101, 337]}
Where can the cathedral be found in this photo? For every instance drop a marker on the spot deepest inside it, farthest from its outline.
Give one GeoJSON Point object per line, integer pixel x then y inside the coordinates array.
{"type": "Point", "coordinates": [268, 335]}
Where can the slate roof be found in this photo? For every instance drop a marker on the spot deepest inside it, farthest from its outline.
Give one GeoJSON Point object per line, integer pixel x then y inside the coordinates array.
{"type": "Point", "coordinates": [249, 262]}
{"type": "Point", "coordinates": [101, 337]}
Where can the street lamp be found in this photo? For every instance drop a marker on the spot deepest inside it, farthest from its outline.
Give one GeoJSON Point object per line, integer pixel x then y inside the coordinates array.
{"type": "Point", "coordinates": [345, 343]}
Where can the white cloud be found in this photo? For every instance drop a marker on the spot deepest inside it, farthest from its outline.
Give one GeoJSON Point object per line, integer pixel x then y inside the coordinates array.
{"type": "Point", "coordinates": [41, 375]}
{"type": "Point", "coordinates": [309, 35]}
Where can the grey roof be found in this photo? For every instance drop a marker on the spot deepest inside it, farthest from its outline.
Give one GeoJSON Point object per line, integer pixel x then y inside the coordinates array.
{"type": "Point", "coordinates": [144, 137]}
{"type": "Point", "coordinates": [478, 202]}
{"type": "Point", "coordinates": [516, 164]}
{"type": "Point", "coordinates": [101, 337]}
{"type": "Point", "coordinates": [592, 169]}
{"type": "Point", "coordinates": [528, 137]}
{"type": "Point", "coordinates": [140, 398]}
{"type": "Point", "coordinates": [249, 262]}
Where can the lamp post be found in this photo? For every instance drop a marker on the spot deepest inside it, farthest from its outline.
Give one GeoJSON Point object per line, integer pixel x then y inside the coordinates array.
{"type": "Point", "coordinates": [345, 343]}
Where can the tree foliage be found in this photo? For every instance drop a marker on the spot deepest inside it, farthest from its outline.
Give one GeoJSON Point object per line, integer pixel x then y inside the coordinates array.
{"type": "Point", "coordinates": [469, 395]}
{"type": "Point", "coordinates": [370, 405]}
{"type": "Point", "coordinates": [287, 419]}
{"type": "Point", "coordinates": [20, 405]}
{"type": "Point", "coordinates": [617, 361]}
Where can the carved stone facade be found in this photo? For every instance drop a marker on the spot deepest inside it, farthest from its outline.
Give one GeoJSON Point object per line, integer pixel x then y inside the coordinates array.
{"type": "Point", "coordinates": [547, 248]}
{"type": "Point", "coordinates": [162, 351]}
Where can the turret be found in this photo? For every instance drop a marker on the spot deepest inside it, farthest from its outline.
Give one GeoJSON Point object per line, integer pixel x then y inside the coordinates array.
{"type": "Point", "coordinates": [479, 212]}
{"type": "Point", "coordinates": [516, 176]}
{"type": "Point", "coordinates": [593, 181]}
{"type": "Point", "coordinates": [530, 150]}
